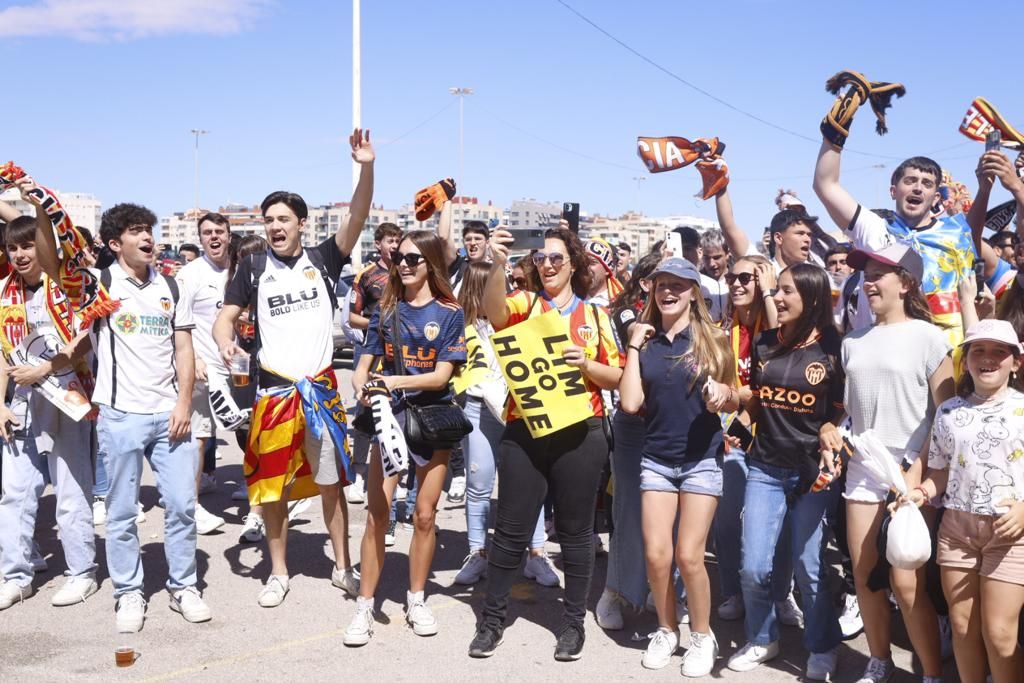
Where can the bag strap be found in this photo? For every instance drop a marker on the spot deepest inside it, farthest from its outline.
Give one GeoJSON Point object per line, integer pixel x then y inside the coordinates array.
{"type": "Point", "coordinates": [317, 259]}
{"type": "Point", "coordinates": [396, 342]}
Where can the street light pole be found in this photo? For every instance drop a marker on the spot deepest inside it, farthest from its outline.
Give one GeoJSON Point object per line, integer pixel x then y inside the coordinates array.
{"type": "Point", "coordinates": [195, 197]}
{"type": "Point", "coordinates": [639, 179]}
{"type": "Point", "coordinates": [461, 94]}
{"type": "Point", "coordinates": [356, 81]}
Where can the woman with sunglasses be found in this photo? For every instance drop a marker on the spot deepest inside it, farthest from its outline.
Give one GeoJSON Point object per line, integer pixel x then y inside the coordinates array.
{"type": "Point", "coordinates": [568, 462]}
{"type": "Point", "coordinates": [431, 336]}
{"type": "Point", "coordinates": [892, 394]}
{"type": "Point", "coordinates": [796, 384]}
{"type": "Point", "coordinates": [751, 282]}
{"type": "Point", "coordinates": [626, 579]}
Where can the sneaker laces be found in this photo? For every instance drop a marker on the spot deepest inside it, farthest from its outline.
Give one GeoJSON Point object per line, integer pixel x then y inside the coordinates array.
{"type": "Point", "coordinates": [574, 626]}
{"type": "Point", "coordinates": [129, 600]}
{"type": "Point", "coordinates": [875, 669]}
{"type": "Point", "coordinates": [660, 637]}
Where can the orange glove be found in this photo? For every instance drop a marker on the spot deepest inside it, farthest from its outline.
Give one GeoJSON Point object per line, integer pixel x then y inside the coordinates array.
{"type": "Point", "coordinates": [429, 200]}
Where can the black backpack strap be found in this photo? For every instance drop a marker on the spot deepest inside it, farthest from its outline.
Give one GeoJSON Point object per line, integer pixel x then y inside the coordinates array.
{"type": "Point", "coordinates": [105, 280]}
{"type": "Point", "coordinates": [317, 259]}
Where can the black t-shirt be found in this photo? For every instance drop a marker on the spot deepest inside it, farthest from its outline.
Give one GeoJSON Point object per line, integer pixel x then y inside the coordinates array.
{"type": "Point", "coordinates": [239, 290]}
{"type": "Point", "coordinates": [798, 392]}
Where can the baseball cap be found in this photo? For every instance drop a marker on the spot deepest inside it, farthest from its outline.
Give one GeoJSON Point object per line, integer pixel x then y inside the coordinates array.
{"type": "Point", "coordinates": [679, 267]}
{"type": "Point", "coordinates": [897, 254]}
{"type": "Point", "coordinates": [1000, 331]}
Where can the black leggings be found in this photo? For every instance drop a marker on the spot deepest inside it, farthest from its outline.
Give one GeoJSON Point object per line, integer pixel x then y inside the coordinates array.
{"type": "Point", "coordinates": [569, 463]}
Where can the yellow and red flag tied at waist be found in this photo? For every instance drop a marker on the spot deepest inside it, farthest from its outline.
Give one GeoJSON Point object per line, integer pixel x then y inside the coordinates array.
{"type": "Point", "coordinates": [670, 153]}
{"type": "Point", "coordinates": [274, 455]}
{"type": "Point", "coordinates": [477, 368]}
{"type": "Point", "coordinates": [982, 118]}
{"type": "Point", "coordinates": [88, 297]}
{"type": "Point", "coordinates": [550, 394]}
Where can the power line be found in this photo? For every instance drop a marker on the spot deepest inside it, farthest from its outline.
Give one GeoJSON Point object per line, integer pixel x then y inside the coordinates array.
{"type": "Point", "coordinates": [704, 92]}
{"type": "Point", "coordinates": [420, 124]}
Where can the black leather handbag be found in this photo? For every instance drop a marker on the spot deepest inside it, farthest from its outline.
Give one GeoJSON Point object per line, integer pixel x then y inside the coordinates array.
{"type": "Point", "coordinates": [440, 426]}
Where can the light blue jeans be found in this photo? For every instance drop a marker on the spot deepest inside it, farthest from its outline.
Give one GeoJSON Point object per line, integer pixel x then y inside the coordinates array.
{"type": "Point", "coordinates": [127, 438]}
{"type": "Point", "coordinates": [729, 533]}
{"type": "Point", "coordinates": [766, 512]}
{"type": "Point", "coordinates": [627, 569]}
{"type": "Point", "coordinates": [481, 449]}
{"type": "Point", "coordinates": [69, 467]}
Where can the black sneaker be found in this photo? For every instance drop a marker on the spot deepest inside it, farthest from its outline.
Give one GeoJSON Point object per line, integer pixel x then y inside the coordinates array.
{"type": "Point", "coordinates": [570, 642]}
{"type": "Point", "coordinates": [485, 642]}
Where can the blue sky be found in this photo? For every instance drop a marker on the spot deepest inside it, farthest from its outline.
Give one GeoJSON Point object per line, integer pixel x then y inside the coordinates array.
{"type": "Point", "coordinates": [102, 100]}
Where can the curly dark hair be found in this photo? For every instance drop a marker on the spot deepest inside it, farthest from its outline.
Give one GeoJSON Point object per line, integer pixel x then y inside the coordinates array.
{"type": "Point", "coordinates": [120, 217]}
{"type": "Point", "coordinates": [581, 278]}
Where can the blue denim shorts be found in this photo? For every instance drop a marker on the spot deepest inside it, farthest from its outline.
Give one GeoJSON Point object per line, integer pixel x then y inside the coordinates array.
{"type": "Point", "coordinates": [700, 476]}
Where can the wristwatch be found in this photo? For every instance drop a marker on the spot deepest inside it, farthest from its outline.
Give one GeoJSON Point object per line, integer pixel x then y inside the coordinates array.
{"type": "Point", "coordinates": [770, 292]}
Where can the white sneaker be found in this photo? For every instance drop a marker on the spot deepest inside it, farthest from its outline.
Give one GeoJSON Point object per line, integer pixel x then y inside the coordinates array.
{"type": "Point", "coordinates": [75, 590]}
{"type": "Point", "coordinates": [389, 535]}
{"type": "Point", "coordinates": [751, 656]}
{"type": "Point", "coordinates": [273, 592]}
{"type": "Point", "coordinates": [188, 602]}
{"type": "Point", "coordinates": [877, 671]}
{"type": "Point", "coordinates": [700, 656]}
{"type": "Point", "coordinates": [660, 650]}
{"type": "Point", "coordinates": [141, 517]}
{"type": "Point", "coordinates": [241, 493]}
{"type": "Point", "coordinates": [419, 616]}
{"type": "Point", "coordinates": [732, 609]}
{"type": "Point", "coordinates": [788, 612]}
{"type": "Point", "coordinates": [12, 594]}
{"type": "Point", "coordinates": [457, 490]}
{"type": "Point", "coordinates": [599, 548]}
{"type": "Point", "coordinates": [346, 579]}
{"type": "Point", "coordinates": [850, 621]}
{"type": "Point", "coordinates": [609, 611]}
{"type": "Point", "coordinates": [821, 666]}
{"type": "Point", "coordinates": [401, 492]}
{"type": "Point", "coordinates": [541, 569]}
{"type": "Point", "coordinates": [360, 629]}
{"type": "Point", "coordinates": [253, 529]}
{"type": "Point", "coordinates": [473, 569]}
{"type": "Point", "coordinates": [297, 507]}
{"type": "Point", "coordinates": [99, 511]}
{"type": "Point", "coordinates": [207, 522]}
{"type": "Point", "coordinates": [131, 612]}
{"type": "Point", "coordinates": [207, 484]}
{"type": "Point", "coordinates": [354, 492]}
{"type": "Point", "coordinates": [37, 560]}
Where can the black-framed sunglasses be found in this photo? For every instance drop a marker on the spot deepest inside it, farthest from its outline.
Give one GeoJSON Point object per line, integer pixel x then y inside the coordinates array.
{"type": "Point", "coordinates": [520, 282]}
{"type": "Point", "coordinates": [743, 278]}
{"type": "Point", "coordinates": [539, 257]}
{"type": "Point", "coordinates": [412, 259]}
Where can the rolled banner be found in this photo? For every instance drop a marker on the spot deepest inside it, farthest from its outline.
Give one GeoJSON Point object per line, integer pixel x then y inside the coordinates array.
{"type": "Point", "coordinates": [982, 118]}
{"type": "Point", "coordinates": [88, 297]}
{"type": "Point", "coordinates": [394, 453]}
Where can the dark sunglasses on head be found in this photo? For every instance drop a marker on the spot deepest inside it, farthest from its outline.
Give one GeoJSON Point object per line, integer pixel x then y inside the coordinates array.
{"type": "Point", "coordinates": [744, 278]}
{"type": "Point", "coordinates": [539, 257]}
{"type": "Point", "coordinates": [412, 259]}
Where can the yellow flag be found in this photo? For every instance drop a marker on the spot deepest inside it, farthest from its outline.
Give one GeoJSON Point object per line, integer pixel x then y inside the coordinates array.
{"type": "Point", "coordinates": [478, 363]}
{"type": "Point", "coordinates": [550, 395]}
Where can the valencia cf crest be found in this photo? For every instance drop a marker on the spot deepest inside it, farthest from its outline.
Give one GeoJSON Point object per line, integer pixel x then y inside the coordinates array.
{"type": "Point", "coordinates": [309, 272]}
{"type": "Point", "coordinates": [586, 332]}
{"type": "Point", "coordinates": [431, 330]}
{"type": "Point", "coordinates": [165, 304]}
{"type": "Point", "coordinates": [815, 373]}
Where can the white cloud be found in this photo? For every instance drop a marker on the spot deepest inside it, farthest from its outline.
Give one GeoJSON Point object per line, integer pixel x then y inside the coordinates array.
{"type": "Point", "coordinates": [121, 20]}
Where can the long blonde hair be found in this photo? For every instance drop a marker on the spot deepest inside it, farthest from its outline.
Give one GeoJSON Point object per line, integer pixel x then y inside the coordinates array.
{"type": "Point", "coordinates": [709, 347]}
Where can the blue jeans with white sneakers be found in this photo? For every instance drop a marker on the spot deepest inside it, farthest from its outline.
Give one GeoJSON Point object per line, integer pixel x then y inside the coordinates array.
{"type": "Point", "coordinates": [127, 438]}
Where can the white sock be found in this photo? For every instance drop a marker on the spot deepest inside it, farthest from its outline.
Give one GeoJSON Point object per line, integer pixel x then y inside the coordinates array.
{"type": "Point", "coordinates": [411, 597]}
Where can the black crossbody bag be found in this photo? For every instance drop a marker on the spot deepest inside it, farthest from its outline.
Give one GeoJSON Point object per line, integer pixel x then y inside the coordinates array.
{"type": "Point", "coordinates": [441, 426]}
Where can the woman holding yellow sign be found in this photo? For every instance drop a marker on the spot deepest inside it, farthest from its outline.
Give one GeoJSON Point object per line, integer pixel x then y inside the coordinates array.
{"type": "Point", "coordinates": [569, 460]}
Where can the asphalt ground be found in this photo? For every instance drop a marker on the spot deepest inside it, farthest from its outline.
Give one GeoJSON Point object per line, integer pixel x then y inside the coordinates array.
{"type": "Point", "coordinates": [301, 639]}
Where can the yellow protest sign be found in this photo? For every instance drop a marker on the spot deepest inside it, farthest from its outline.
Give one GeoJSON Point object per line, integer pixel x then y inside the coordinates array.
{"type": "Point", "coordinates": [477, 368]}
{"type": "Point", "coordinates": [550, 394]}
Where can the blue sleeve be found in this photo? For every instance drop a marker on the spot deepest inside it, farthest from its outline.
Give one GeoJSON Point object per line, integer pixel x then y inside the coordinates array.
{"type": "Point", "coordinates": [452, 341]}
{"type": "Point", "coordinates": [373, 344]}
{"type": "Point", "coordinates": [1001, 278]}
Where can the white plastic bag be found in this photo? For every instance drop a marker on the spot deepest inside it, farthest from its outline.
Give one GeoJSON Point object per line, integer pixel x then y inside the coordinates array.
{"type": "Point", "coordinates": [908, 542]}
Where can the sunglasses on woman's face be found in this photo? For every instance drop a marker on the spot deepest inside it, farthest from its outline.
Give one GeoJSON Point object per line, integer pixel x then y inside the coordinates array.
{"type": "Point", "coordinates": [519, 282]}
{"type": "Point", "coordinates": [539, 257]}
{"type": "Point", "coordinates": [744, 278]}
{"type": "Point", "coordinates": [412, 259]}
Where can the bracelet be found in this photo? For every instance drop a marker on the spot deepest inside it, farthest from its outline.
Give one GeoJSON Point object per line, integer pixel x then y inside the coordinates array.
{"type": "Point", "coordinates": [635, 348]}
{"type": "Point", "coordinates": [927, 498]}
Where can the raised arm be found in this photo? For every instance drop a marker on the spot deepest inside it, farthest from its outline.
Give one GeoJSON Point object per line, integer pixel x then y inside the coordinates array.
{"type": "Point", "coordinates": [444, 231]}
{"type": "Point", "coordinates": [841, 206]}
{"type": "Point", "coordinates": [362, 198]}
{"type": "Point", "coordinates": [992, 165]}
{"type": "Point", "coordinates": [7, 212]}
{"type": "Point", "coordinates": [495, 304]}
{"type": "Point", "coordinates": [46, 241]}
{"type": "Point", "coordinates": [735, 238]}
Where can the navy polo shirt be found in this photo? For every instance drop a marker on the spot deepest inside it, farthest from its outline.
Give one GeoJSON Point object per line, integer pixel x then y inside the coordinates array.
{"type": "Point", "coordinates": [679, 427]}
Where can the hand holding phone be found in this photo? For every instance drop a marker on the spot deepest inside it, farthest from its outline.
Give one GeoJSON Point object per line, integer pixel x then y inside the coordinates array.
{"type": "Point", "coordinates": [994, 140]}
{"type": "Point", "coordinates": [571, 214]}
